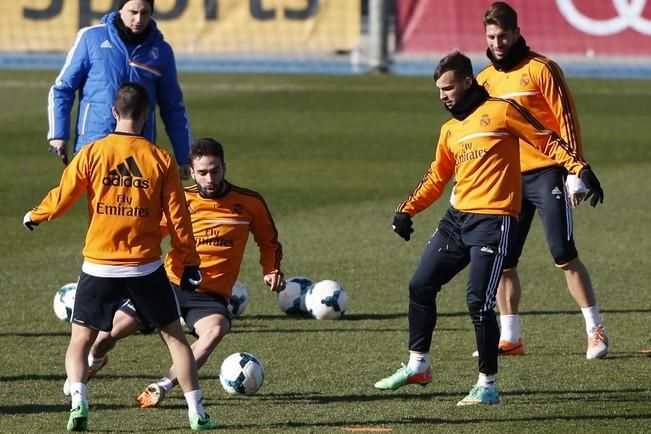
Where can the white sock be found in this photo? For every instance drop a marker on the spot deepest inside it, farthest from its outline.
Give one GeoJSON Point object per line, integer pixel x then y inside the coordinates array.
{"type": "Point", "coordinates": [592, 318]}
{"type": "Point", "coordinates": [418, 362]}
{"type": "Point", "coordinates": [78, 394]}
{"type": "Point", "coordinates": [194, 398]}
{"type": "Point", "coordinates": [486, 381]}
{"type": "Point", "coordinates": [510, 328]}
{"type": "Point", "coordinates": [165, 384]}
{"type": "Point", "coordinates": [94, 363]}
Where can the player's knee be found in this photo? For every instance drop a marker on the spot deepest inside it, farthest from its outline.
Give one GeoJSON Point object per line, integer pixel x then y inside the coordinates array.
{"type": "Point", "coordinates": [479, 314]}
{"type": "Point", "coordinates": [421, 292]}
{"type": "Point", "coordinates": [213, 336]}
{"type": "Point", "coordinates": [211, 331]}
{"type": "Point", "coordinates": [566, 265]}
{"type": "Point", "coordinates": [563, 257]}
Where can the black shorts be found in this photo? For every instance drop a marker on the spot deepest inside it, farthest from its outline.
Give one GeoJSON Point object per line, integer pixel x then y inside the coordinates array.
{"type": "Point", "coordinates": [127, 307]}
{"type": "Point", "coordinates": [196, 305]}
{"type": "Point", "coordinates": [192, 305]}
{"type": "Point", "coordinates": [98, 298]}
{"type": "Point", "coordinates": [543, 190]}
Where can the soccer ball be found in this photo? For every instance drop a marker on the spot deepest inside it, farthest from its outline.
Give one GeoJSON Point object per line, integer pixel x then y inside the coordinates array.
{"type": "Point", "coordinates": [239, 299]}
{"type": "Point", "coordinates": [292, 299]}
{"type": "Point", "coordinates": [327, 299]}
{"type": "Point", "coordinates": [241, 374]}
{"type": "Point", "coordinates": [64, 301]}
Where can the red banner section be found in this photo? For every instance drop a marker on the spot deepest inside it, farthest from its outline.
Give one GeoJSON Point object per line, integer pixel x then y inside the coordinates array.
{"type": "Point", "coordinates": [564, 27]}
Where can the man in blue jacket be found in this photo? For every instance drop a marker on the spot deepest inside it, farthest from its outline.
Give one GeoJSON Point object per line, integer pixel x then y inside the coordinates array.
{"type": "Point", "coordinates": [126, 46]}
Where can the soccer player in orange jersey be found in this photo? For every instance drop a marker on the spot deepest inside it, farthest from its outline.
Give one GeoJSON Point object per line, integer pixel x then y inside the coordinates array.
{"type": "Point", "coordinates": [131, 184]}
{"type": "Point", "coordinates": [223, 215]}
{"type": "Point", "coordinates": [537, 83]}
{"type": "Point", "coordinates": [479, 148]}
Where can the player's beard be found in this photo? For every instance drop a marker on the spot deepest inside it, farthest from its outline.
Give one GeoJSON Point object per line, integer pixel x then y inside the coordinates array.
{"type": "Point", "coordinates": [216, 191]}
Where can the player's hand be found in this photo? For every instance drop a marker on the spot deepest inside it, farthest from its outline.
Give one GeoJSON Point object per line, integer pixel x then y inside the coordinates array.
{"type": "Point", "coordinates": [60, 148]}
{"type": "Point", "coordinates": [27, 221]}
{"type": "Point", "coordinates": [184, 171]}
{"type": "Point", "coordinates": [275, 281]}
{"type": "Point", "coordinates": [191, 278]}
{"type": "Point", "coordinates": [576, 190]}
{"type": "Point", "coordinates": [593, 185]}
{"type": "Point", "coordinates": [402, 225]}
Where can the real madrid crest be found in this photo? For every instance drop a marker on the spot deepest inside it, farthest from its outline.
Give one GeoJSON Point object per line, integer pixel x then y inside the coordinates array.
{"type": "Point", "coordinates": [153, 53]}
{"type": "Point", "coordinates": [524, 80]}
{"type": "Point", "coordinates": [485, 120]}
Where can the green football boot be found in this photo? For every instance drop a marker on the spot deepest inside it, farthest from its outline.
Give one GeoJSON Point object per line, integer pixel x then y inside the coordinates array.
{"type": "Point", "coordinates": [481, 395]}
{"type": "Point", "coordinates": [199, 423]}
{"type": "Point", "coordinates": [78, 420]}
{"type": "Point", "coordinates": [404, 376]}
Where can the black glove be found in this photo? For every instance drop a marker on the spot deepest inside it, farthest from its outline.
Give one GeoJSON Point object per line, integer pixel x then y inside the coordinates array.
{"type": "Point", "coordinates": [592, 184]}
{"type": "Point", "coordinates": [402, 225]}
{"type": "Point", "coordinates": [191, 278]}
{"type": "Point", "coordinates": [28, 223]}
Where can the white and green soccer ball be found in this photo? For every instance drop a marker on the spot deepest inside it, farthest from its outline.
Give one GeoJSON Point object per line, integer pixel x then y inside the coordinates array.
{"type": "Point", "coordinates": [327, 299]}
{"type": "Point", "coordinates": [241, 374]}
{"type": "Point", "coordinates": [239, 299]}
{"type": "Point", "coordinates": [64, 301]}
{"type": "Point", "coordinates": [292, 299]}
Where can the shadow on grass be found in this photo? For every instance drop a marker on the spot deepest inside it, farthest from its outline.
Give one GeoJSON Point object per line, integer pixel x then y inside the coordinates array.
{"type": "Point", "coordinates": [34, 334]}
{"type": "Point", "coordinates": [612, 356]}
{"type": "Point", "coordinates": [601, 394]}
{"type": "Point", "coordinates": [255, 329]}
{"type": "Point", "coordinates": [32, 377]}
{"type": "Point", "coordinates": [576, 311]}
{"type": "Point", "coordinates": [54, 408]}
{"type": "Point", "coordinates": [393, 423]}
{"type": "Point", "coordinates": [407, 421]}
{"type": "Point", "coordinates": [400, 315]}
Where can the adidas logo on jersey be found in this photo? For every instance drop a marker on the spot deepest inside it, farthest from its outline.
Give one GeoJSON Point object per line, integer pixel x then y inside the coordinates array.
{"type": "Point", "coordinates": [486, 249]}
{"type": "Point", "coordinates": [106, 44]}
{"type": "Point", "coordinates": [126, 174]}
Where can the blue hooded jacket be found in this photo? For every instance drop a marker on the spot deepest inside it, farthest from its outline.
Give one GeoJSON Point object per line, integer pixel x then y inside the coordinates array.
{"type": "Point", "coordinates": [97, 64]}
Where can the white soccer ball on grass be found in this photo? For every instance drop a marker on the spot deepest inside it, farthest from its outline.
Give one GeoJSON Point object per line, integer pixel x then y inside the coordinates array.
{"type": "Point", "coordinates": [241, 374]}
{"type": "Point", "coordinates": [292, 299]}
{"type": "Point", "coordinates": [327, 299]}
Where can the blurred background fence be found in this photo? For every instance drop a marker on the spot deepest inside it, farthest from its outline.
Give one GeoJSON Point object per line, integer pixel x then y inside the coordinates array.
{"type": "Point", "coordinates": [591, 38]}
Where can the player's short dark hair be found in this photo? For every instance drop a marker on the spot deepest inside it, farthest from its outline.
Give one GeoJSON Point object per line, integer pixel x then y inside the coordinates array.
{"type": "Point", "coordinates": [502, 15]}
{"type": "Point", "coordinates": [206, 146]}
{"type": "Point", "coordinates": [457, 62]}
{"type": "Point", "coordinates": [131, 100]}
{"type": "Point", "coordinates": [123, 2]}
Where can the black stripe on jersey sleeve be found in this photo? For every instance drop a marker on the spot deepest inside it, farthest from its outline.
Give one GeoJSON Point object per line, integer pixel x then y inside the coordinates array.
{"type": "Point", "coordinates": [403, 204]}
{"type": "Point", "coordinates": [561, 84]}
{"type": "Point", "coordinates": [255, 194]}
{"type": "Point", "coordinates": [540, 127]}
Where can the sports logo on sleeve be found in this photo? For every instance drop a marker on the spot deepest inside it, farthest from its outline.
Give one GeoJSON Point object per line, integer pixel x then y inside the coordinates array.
{"type": "Point", "coordinates": [126, 174]}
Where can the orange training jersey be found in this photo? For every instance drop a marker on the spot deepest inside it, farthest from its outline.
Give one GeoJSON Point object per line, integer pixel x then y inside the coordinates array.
{"type": "Point", "coordinates": [221, 229]}
{"type": "Point", "coordinates": [130, 184]}
{"type": "Point", "coordinates": [538, 84]}
{"type": "Point", "coordinates": [481, 153]}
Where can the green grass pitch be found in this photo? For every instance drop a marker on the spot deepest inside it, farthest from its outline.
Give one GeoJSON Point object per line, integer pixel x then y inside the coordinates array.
{"type": "Point", "coordinates": [333, 156]}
